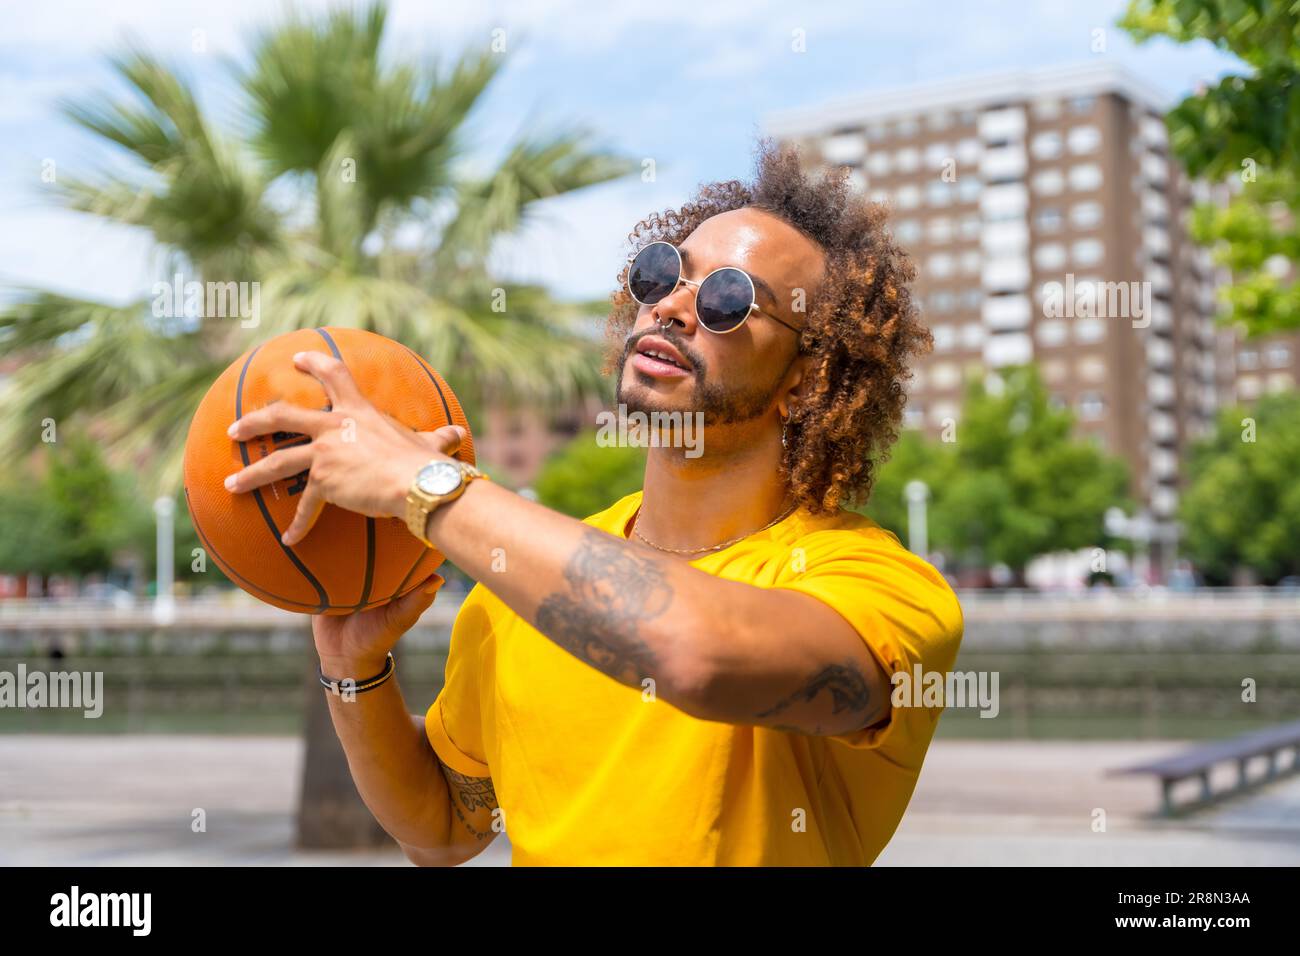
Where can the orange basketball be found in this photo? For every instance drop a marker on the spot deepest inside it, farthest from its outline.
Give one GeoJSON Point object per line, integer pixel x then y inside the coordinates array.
{"type": "Point", "coordinates": [348, 562]}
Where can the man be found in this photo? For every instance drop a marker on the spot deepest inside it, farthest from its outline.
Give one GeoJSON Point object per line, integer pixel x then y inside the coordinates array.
{"type": "Point", "coordinates": [699, 674]}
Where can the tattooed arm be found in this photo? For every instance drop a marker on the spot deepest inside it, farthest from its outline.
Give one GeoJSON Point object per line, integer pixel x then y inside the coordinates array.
{"type": "Point", "coordinates": [472, 802]}
{"type": "Point", "coordinates": [719, 650]}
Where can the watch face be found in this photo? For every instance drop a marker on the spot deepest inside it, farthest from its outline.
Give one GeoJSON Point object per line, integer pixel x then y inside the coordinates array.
{"type": "Point", "coordinates": [438, 478]}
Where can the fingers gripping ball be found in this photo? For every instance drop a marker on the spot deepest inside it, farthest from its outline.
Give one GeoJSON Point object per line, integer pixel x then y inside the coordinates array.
{"type": "Point", "coordinates": [348, 562]}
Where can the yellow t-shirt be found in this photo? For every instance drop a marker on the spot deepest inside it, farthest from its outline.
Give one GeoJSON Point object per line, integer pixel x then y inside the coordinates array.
{"type": "Point", "coordinates": [586, 772]}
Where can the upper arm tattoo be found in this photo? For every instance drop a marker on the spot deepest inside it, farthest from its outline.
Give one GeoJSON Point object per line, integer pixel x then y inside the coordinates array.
{"type": "Point", "coordinates": [612, 589]}
{"type": "Point", "coordinates": [474, 794]}
{"type": "Point", "coordinates": [848, 689]}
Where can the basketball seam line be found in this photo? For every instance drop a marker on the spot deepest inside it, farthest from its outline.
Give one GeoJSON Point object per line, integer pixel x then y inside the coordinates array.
{"type": "Point", "coordinates": [324, 601]}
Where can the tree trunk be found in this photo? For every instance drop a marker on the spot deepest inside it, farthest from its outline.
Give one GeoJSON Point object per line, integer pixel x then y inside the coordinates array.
{"type": "Point", "coordinates": [331, 814]}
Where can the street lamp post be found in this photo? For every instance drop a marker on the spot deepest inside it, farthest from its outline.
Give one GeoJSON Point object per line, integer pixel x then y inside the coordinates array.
{"type": "Point", "coordinates": [164, 604]}
{"type": "Point", "coordinates": [917, 494]}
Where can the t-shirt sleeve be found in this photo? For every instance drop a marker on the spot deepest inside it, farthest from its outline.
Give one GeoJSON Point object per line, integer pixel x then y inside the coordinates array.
{"type": "Point", "coordinates": [454, 721]}
{"type": "Point", "coordinates": [901, 606]}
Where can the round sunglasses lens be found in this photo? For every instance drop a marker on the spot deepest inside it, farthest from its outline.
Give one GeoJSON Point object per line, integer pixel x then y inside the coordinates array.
{"type": "Point", "coordinates": [724, 300]}
{"type": "Point", "coordinates": [653, 273]}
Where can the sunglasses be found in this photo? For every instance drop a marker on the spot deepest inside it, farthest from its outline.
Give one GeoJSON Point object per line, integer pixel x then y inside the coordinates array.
{"type": "Point", "coordinates": [723, 299]}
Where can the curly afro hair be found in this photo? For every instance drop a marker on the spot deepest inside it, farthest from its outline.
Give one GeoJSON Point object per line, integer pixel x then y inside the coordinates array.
{"type": "Point", "coordinates": [862, 329]}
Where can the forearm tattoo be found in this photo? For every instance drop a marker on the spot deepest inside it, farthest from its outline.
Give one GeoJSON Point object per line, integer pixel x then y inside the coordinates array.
{"type": "Point", "coordinates": [612, 590]}
{"type": "Point", "coordinates": [474, 794]}
{"type": "Point", "coordinates": [847, 687]}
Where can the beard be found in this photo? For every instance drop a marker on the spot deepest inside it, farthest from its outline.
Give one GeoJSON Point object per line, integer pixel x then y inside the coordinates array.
{"type": "Point", "coordinates": [720, 404]}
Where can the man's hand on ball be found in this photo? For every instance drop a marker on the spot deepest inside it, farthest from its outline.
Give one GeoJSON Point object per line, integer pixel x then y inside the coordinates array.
{"type": "Point", "coordinates": [358, 458]}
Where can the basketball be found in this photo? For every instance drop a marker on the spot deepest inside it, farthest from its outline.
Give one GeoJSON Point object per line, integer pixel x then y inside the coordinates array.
{"type": "Point", "coordinates": [347, 562]}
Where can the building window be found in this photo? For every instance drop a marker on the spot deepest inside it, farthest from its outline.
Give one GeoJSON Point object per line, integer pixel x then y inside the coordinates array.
{"type": "Point", "coordinates": [970, 262]}
{"type": "Point", "coordinates": [909, 197]}
{"type": "Point", "coordinates": [1050, 255]}
{"type": "Point", "coordinates": [1248, 358]}
{"type": "Point", "coordinates": [945, 375]}
{"type": "Point", "coordinates": [1048, 220]}
{"type": "Point", "coordinates": [968, 189]}
{"type": "Point", "coordinates": [1049, 182]}
{"type": "Point", "coordinates": [938, 193]}
{"type": "Point", "coordinates": [1085, 215]}
{"type": "Point", "coordinates": [943, 413]}
{"type": "Point", "coordinates": [1046, 145]}
{"type": "Point", "coordinates": [1092, 369]}
{"type": "Point", "coordinates": [1085, 176]}
{"type": "Point", "coordinates": [907, 159]}
{"type": "Point", "coordinates": [1091, 406]}
{"type": "Point", "coordinates": [1082, 104]}
{"type": "Point", "coordinates": [940, 229]}
{"type": "Point", "coordinates": [971, 300]}
{"type": "Point", "coordinates": [907, 127]}
{"type": "Point", "coordinates": [945, 337]}
{"type": "Point", "coordinates": [1089, 329]}
{"type": "Point", "coordinates": [1084, 139]}
{"type": "Point", "coordinates": [1087, 252]}
{"type": "Point", "coordinates": [908, 230]}
{"type": "Point", "coordinates": [941, 265]}
{"type": "Point", "coordinates": [1051, 332]}
{"type": "Point", "coordinates": [936, 154]}
{"type": "Point", "coordinates": [878, 163]}
{"type": "Point", "coordinates": [973, 334]}
{"type": "Point", "coordinates": [1278, 356]}
{"type": "Point", "coordinates": [969, 227]}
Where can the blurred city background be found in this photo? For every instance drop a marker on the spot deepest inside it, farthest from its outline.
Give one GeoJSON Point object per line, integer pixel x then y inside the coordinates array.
{"type": "Point", "coordinates": [1099, 451]}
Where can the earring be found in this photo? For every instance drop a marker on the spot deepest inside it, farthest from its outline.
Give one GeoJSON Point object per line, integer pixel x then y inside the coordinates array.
{"type": "Point", "coordinates": [785, 421]}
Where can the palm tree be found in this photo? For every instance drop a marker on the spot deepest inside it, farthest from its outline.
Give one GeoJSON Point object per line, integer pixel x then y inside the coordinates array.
{"type": "Point", "coordinates": [341, 157]}
{"type": "Point", "coordinates": [337, 157]}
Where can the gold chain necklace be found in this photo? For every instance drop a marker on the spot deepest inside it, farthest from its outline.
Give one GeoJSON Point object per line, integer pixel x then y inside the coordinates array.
{"type": "Point", "coordinates": [717, 547]}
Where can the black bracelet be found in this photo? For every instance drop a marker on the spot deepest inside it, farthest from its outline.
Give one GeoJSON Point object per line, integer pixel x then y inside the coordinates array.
{"type": "Point", "coordinates": [358, 687]}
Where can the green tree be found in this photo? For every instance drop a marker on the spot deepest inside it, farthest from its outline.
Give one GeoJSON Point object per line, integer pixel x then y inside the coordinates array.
{"type": "Point", "coordinates": [1246, 126]}
{"type": "Point", "coordinates": [1014, 484]}
{"type": "Point", "coordinates": [67, 512]}
{"type": "Point", "coordinates": [913, 458]}
{"type": "Point", "coordinates": [336, 157]}
{"type": "Point", "coordinates": [584, 478]}
{"type": "Point", "coordinates": [1242, 503]}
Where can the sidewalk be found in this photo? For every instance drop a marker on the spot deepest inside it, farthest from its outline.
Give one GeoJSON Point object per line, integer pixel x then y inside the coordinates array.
{"type": "Point", "coordinates": [129, 800]}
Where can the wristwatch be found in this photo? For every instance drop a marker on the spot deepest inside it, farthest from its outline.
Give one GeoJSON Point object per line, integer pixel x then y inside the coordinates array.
{"type": "Point", "coordinates": [438, 481]}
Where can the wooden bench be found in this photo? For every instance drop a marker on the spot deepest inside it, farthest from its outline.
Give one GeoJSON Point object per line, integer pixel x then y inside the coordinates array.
{"type": "Point", "coordinates": [1197, 762]}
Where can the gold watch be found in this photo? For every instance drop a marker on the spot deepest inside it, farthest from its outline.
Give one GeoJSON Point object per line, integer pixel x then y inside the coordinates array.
{"type": "Point", "coordinates": [438, 481]}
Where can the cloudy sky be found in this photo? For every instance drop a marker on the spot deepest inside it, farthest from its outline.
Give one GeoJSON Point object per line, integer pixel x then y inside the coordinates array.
{"type": "Point", "coordinates": [684, 82]}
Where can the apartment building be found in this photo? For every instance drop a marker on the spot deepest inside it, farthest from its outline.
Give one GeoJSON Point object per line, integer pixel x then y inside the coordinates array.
{"type": "Point", "coordinates": [1048, 223]}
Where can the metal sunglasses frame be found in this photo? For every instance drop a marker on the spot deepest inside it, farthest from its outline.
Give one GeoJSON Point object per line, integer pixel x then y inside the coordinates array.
{"type": "Point", "coordinates": [682, 280]}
